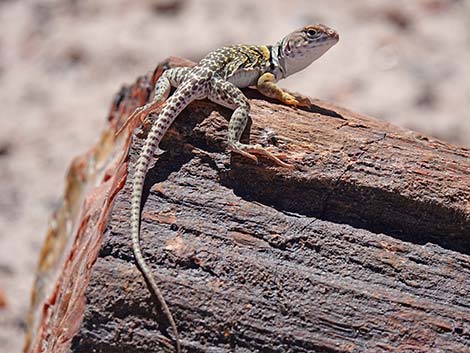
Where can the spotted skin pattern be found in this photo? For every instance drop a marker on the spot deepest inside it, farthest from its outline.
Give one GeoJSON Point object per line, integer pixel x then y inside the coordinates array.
{"type": "Point", "coordinates": [219, 77]}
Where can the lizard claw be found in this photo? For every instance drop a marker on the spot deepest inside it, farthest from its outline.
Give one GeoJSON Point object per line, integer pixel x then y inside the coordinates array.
{"type": "Point", "coordinates": [290, 100]}
{"type": "Point", "coordinates": [304, 102]}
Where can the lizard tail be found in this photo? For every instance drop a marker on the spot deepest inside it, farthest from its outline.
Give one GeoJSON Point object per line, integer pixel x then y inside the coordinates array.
{"type": "Point", "coordinates": [151, 143]}
{"type": "Point", "coordinates": [167, 115]}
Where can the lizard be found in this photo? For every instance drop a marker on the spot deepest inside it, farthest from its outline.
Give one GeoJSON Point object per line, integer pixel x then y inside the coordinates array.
{"type": "Point", "coordinates": [219, 77]}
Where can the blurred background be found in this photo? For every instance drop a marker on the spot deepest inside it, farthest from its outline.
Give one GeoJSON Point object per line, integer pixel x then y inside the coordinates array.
{"type": "Point", "coordinates": [61, 62]}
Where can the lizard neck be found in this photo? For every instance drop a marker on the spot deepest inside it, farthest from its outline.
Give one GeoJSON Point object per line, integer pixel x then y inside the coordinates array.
{"type": "Point", "coordinates": [277, 61]}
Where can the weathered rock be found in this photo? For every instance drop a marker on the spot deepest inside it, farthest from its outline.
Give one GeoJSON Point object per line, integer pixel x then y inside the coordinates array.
{"type": "Point", "coordinates": [364, 247]}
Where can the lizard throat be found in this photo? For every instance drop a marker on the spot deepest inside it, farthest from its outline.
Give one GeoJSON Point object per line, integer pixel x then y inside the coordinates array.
{"type": "Point", "coordinates": [276, 61]}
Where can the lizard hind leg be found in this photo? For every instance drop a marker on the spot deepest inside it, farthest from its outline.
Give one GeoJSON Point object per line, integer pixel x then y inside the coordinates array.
{"type": "Point", "coordinates": [170, 78]}
{"type": "Point", "coordinates": [228, 95]}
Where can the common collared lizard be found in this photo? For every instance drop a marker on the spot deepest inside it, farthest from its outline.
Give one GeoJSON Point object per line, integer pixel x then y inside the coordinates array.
{"type": "Point", "coordinates": [219, 77]}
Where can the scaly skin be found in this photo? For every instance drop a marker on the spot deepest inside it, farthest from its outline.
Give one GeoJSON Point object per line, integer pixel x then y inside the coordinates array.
{"type": "Point", "coordinates": [218, 77]}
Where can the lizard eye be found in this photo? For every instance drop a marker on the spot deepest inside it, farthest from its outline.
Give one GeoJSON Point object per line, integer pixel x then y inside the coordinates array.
{"type": "Point", "coordinates": [311, 32]}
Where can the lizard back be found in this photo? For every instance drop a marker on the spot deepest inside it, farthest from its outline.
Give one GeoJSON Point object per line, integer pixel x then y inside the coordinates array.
{"type": "Point", "coordinates": [241, 65]}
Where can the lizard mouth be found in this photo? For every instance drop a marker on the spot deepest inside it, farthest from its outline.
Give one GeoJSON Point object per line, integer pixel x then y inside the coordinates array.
{"type": "Point", "coordinates": [332, 34]}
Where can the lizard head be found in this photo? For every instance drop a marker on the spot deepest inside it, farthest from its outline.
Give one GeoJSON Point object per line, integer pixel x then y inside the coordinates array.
{"type": "Point", "coordinates": [300, 48]}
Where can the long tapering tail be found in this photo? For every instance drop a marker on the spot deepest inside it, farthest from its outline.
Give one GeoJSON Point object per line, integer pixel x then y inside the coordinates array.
{"type": "Point", "coordinates": [170, 111]}
{"type": "Point", "coordinates": [138, 182]}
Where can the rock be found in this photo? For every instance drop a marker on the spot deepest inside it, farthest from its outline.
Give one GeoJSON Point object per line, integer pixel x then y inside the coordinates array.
{"type": "Point", "coordinates": [363, 247]}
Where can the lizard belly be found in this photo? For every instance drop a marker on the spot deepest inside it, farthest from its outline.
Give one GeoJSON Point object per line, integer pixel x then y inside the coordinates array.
{"type": "Point", "coordinates": [244, 78]}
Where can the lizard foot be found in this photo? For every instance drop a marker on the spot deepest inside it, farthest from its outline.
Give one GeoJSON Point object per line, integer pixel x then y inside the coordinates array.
{"type": "Point", "coordinates": [291, 100]}
{"type": "Point", "coordinates": [250, 151]}
{"type": "Point", "coordinates": [244, 153]}
{"type": "Point", "coordinates": [141, 113]}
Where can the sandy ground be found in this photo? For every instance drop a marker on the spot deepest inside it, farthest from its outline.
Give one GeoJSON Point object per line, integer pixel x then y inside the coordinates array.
{"type": "Point", "coordinates": [62, 61]}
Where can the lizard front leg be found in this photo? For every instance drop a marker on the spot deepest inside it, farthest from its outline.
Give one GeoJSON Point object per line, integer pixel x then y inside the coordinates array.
{"type": "Point", "coordinates": [267, 86]}
{"type": "Point", "coordinates": [228, 95]}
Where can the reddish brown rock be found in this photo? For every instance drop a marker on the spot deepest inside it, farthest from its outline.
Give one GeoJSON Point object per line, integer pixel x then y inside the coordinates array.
{"type": "Point", "coordinates": [363, 247]}
{"type": "Point", "coordinates": [3, 299]}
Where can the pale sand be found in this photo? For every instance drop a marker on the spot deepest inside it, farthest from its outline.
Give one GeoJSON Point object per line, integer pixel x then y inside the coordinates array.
{"type": "Point", "coordinates": [60, 65]}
